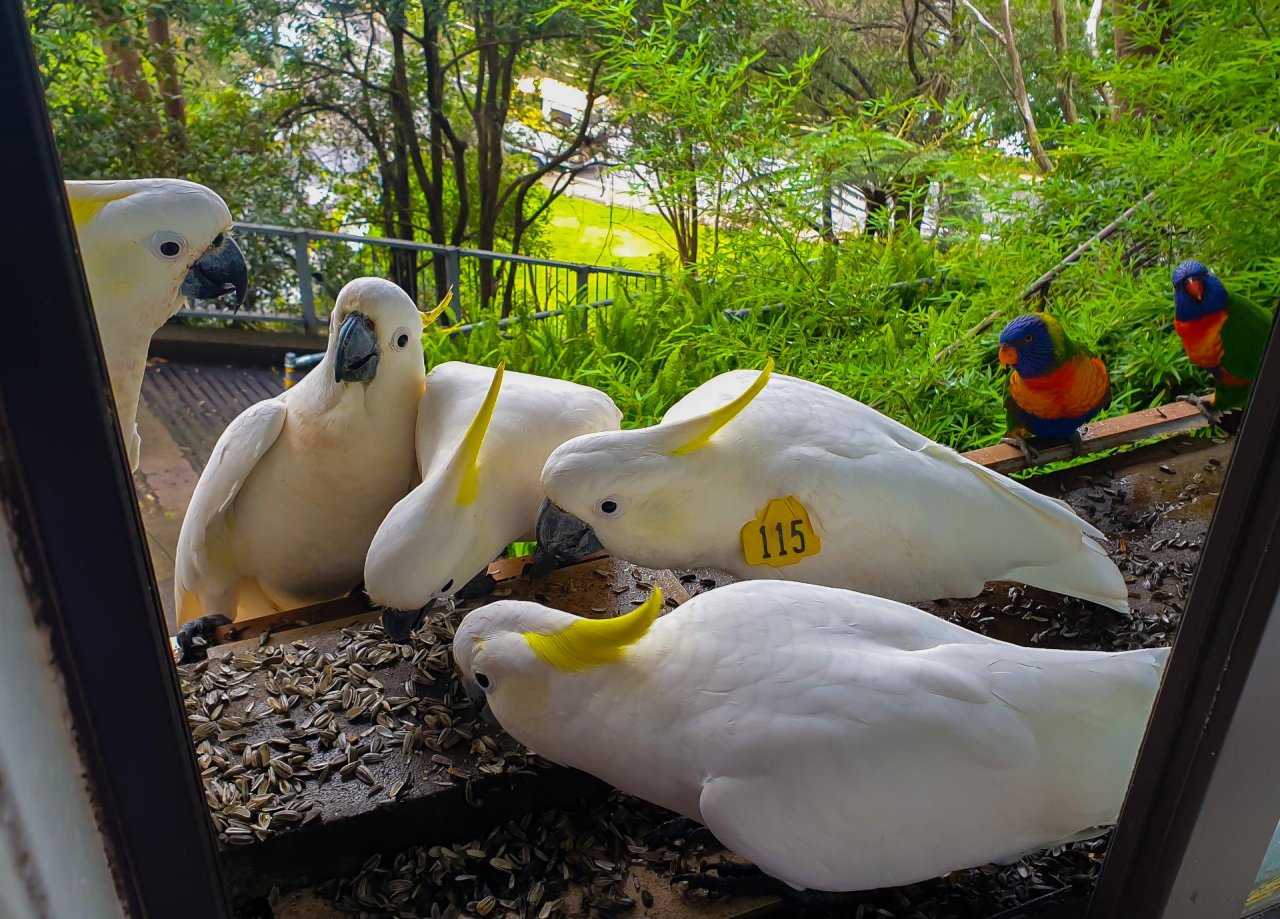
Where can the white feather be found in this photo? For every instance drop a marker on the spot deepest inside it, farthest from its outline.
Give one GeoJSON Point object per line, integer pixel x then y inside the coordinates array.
{"type": "Point", "coordinates": [429, 540]}
{"type": "Point", "coordinates": [133, 289]}
{"type": "Point", "coordinates": [838, 740]}
{"type": "Point", "coordinates": [284, 512]}
{"type": "Point", "coordinates": [899, 516]}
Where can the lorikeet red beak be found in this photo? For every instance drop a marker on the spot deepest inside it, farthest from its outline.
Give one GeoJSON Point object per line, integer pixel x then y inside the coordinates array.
{"type": "Point", "coordinates": [1195, 287]}
{"type": "Point", "coordinates": [1008, 355]}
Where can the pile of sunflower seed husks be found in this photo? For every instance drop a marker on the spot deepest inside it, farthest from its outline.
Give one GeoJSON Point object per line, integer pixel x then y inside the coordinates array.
{"type": "Point", "coordinates": [602, 863]}
{"type": "Point", "coordinates": [273, 724]}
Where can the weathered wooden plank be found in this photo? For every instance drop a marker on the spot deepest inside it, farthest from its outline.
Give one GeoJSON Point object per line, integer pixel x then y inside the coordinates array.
{"type": "Point", "coordinates": [1150, 423]}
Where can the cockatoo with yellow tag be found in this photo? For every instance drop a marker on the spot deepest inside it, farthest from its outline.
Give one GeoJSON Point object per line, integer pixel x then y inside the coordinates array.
{"type": "Point", "coordinates": [296, 487]}
{"type": "Point", "coordinates": [482, 437]}
{"type": "Point", "coordinates": [147, 245]}
{"type": "Point", "coordinates": [768, 476]}
{"type": "Point", "coordinates": [837, 740]}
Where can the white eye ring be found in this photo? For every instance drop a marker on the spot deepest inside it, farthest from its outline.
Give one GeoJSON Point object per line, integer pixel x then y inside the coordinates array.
{"type": "Point", "coordinates": [166, 244]}
{"type": "Point", "coordinates": [612, 506]}
{"type": "Point", "coordinates": [401, 339]}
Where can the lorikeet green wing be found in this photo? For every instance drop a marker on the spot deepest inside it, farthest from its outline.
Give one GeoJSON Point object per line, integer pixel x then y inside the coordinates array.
{"type": "Point", "coordinates": [1244, 339]}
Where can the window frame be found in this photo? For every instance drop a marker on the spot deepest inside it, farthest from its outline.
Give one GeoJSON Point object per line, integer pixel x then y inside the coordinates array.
{"type": "Point", "coordinates": [66, 487]}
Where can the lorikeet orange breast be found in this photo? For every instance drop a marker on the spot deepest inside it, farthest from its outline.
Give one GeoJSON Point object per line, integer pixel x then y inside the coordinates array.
{"type": "Point", "coordinates": [1056, 386]}
{"type": "Point", "coordinates": [1221, 332]}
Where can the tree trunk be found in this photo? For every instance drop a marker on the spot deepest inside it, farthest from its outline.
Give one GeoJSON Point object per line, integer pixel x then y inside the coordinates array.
{"type": "Point", "coordinates": [1091, 26]}
{"type": "Point", "coordinates": [1063, 76]}
{"type": "Point", "coordinates": [124, 63]}
{"type": "Point", "coordinates": [489, 116]}
{"type": "Point", "coordinates": [166, 66]}
{"type": "Point", "coordinates": [1020, 93]}
{"type": "Point", "coordinates": [404, 139]}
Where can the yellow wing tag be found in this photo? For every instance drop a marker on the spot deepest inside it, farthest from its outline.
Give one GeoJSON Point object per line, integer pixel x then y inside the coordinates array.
{"type": "Point", "coordinates": [781, 534]}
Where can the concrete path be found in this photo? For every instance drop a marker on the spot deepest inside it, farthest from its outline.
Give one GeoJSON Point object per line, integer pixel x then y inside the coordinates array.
{"type": "Point", "coordinates": [178, 425]}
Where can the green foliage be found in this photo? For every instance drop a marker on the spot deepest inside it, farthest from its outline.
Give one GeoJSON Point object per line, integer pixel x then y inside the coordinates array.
{"type": "Point", "coordinates": [744, 116]}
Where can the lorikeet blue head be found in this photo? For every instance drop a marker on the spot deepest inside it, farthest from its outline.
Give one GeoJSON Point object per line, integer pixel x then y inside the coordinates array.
{"type": "Point", "coordinates": [1196, 292]}
{"type": "Point", "coordinates": [1033, 344]}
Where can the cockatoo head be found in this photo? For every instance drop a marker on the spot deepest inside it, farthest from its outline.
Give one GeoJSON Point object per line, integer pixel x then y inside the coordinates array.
{"type": "Point", "coordinates": [510, 651]}
{"type": "Point", "coordinates": [375, 330]}
{"type": "Point", "coordinates": [630, 489]}
{"type": "Point", "coordinates": [1197, 292]}
{"type": "Point", "coordinates": [433, 541]}
{"type": "Point", "coordinates": [146, 243]}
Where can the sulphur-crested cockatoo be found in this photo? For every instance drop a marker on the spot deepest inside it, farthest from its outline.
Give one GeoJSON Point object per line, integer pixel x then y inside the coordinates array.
{"type": "Point", "coordinates": [147, 245]}
{"type": "Point", "coordinates": [839, 741]}
{"type": "Point", "coordinates": [482, 438]}
{"type": "Point", "coordinates": [768, 476]}
{"type": "Point", "coordinates": [297, 485]}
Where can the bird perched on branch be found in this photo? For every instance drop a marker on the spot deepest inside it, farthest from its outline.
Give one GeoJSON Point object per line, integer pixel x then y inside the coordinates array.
{"type": "Point", "coordinates": [769, 476]}
{"type": "Point", "coordinates": [147, 245]}
{"type": "Point", "coordinates": [837, 740]}
{"type": "Point", "coordinates": [1224, 333]}
{"type": "Point", "coordinates": [1056, 385]}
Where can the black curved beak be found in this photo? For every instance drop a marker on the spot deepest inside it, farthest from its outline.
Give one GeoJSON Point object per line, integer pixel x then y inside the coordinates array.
{"type": "Point", "coordinates": [400, 624]}
{"type": "Point", "coordinates": [479, 701]}
{"type": "Point", "coordinates": [356, 358]}
{"type": "Point", "coordinates": [563, 536]}
{"type": "Point", "coordinates": [218, 272]}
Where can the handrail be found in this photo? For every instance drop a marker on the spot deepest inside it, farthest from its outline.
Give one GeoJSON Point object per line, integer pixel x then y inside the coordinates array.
{"type": "Point", "coordinates": [271, 230]}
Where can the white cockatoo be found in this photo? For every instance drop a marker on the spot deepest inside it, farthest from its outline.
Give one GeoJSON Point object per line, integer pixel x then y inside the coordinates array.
{"type": "Point", "coordinates": [837, 740]}
{"type": "Point", "coordinates": [768, 476]}
{"type": "Point", "coordinates": [482, 438]}
{"type": "Point", "coordinates": [147, 245]}
{"type": "Point", "coordinates": [297, 485]}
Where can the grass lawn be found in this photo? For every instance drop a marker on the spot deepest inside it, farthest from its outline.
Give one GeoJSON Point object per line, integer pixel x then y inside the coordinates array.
{"type": "Point", "coordinates": [581, 230]}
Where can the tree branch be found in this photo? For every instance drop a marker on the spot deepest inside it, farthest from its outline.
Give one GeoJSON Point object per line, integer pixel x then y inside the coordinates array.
{"type": "Point", "coordinates": [983, 21]}
{"type": "Point", "coordinates": [1062, 77]}
{"type": "Point", "coordinates": [1020, 93]}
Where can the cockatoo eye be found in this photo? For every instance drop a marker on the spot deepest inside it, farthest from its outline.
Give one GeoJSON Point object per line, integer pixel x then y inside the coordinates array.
{"type": "Point", "coordinates": [167, 244]}
{"type": "Point", "coordinates": [1029, 339]}
{"type": "Point", "coordinates": [217, 240]}
{"type": "Point", "coordinates": [401, 339]}
{"type": "Point", "coordinates": [611, 506]}
{"type": "Point", "coordinates": [482, 681]}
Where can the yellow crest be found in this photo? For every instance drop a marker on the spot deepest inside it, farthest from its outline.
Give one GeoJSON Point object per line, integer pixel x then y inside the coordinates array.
{"type": "Point", "coordinates": [469, 451]}
{"type": "Point", "coordinates": [717, 419]}
{"type": "Point", "coordinates": [440, 308]}
{"type": "Point", "coordinates": [589, 643]}
{"type": "Point", "coordinates": [87, 199]}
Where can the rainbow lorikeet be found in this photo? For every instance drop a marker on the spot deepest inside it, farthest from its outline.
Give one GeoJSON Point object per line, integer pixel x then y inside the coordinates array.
{"type": "Point", "coordinates": [1221, 332]}
{"type": "Point", "coordinates": [1056, 385]}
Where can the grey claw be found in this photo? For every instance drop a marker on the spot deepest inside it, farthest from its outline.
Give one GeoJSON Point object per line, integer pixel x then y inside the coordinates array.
{"type": "Point", "coordinates": [1029, 453]}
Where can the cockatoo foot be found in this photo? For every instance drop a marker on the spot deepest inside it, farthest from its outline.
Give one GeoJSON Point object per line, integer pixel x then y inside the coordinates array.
{"type": "Point", "coordinates": [1029, 453]}
{"type": "Point", "coordinates": [1077, 441]}
{"type": "Point", "coordinates": [479, 586]}
{"type": "Point", "coordinates": [542, 565]}
{"type": "Point", "coordinates": [731, 880]}
{"type": "Point", "coordinates": [680, 828]}
{"type": "Point", "coordinates": [195, 637]}
{"type": "Point", "coordinates": [1206, 406]}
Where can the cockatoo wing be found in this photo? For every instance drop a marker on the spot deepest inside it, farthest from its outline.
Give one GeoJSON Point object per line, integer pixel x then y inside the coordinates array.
{"type": "Point", "coordinates": [205, 567]}
{"type": "Point", "coordinates": [925, 761]}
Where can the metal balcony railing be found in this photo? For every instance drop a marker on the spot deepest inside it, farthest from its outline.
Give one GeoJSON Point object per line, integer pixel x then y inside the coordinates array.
{"type": "Point", "coordinates": [296, 274]}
